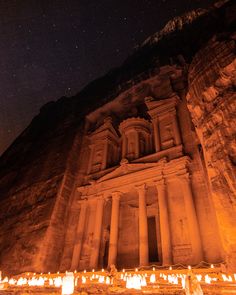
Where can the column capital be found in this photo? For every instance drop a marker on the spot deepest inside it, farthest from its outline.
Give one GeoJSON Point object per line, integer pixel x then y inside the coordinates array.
{"type": "Point", "coordinates": [141, 188]}
{"type": "Point", "coordinates": [172, 178]}
{"type": "Point", "coordinates": [100, 197]}
{"type": "Point", "coordinates": [185, 177]}
{"type": "Point", "coordinates": [155, 119]}
{"type": "Point", "coordinates": [116, 195]}
{"type": "Point", "coordinates": [160, 183]}
{"type": "Point", "coordinates": [83, 202]}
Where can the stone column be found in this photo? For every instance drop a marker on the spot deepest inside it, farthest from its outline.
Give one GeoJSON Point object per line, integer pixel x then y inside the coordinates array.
{"type": "Point", "coordinates": [143, 227]}
{"type": "Point", "coordinates": [97, 233]}
{"type": "Point", "coordinates": [136, 152]}
{"type": "Point", "coordinates": [79, 236]}
{"type": "Point", "coordinates": [164, 223]}
{"type": "Point", "coordinates": [156, 135]}
{"type": "Point", "coordinates": [104, 157]}
{"type": "Point", "coordinates": [176, 130]}
{"type": "Point", "coordinates": [124, 146]}
{"type": "Point", "coordinates": [90, 158]}
{"type": "Point", "coordinates": [194, 233]}
{"type": "Point", "coordinates": [114, 228]}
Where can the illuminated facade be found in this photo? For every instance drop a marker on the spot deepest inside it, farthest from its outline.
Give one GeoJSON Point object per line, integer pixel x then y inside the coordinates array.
{"type": "Point", "coordinates": [143, 197]}
{"type": "Point", "coordinates": [138, 168]}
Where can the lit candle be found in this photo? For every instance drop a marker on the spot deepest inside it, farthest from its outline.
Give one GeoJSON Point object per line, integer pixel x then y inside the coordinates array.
{"type": "Point", "coordinates": [152, 278]}
{"type": "Point", "coordinates": [68, 284]}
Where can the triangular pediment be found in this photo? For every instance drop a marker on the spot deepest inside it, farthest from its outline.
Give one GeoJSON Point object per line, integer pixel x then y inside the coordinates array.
{"type": "Point", "coordinates": [126, 168]}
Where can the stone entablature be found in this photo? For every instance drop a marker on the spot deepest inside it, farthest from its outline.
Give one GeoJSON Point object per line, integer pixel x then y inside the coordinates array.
{"type": "Point", "coordinates": [133, 174]}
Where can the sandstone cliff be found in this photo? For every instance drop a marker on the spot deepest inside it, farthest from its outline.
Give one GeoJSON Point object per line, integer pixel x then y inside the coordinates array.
{"type": "Point", "coordinates": [39, 170]}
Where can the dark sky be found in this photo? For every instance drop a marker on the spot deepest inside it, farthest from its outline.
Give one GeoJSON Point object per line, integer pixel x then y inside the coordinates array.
{"type": "Point", "coordinates": [51, 48]}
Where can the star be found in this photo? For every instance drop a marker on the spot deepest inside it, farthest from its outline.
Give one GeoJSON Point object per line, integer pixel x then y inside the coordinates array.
{"type": "Point", "coordinates": [51, 42]}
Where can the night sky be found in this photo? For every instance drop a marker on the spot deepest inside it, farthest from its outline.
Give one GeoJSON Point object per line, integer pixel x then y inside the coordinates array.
{"type": "Point", "coordinates": [52, 48]}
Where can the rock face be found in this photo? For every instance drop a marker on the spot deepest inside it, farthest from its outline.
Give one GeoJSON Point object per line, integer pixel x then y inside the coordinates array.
{"type": "Point", "coordinates": [77, 149]}
{"type": "Point", "coordinates": [212, 104]}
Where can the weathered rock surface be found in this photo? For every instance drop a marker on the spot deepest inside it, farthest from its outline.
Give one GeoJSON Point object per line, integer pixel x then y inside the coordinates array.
{"type": "Point", "coordinates": [212, 103]}
{"type": "Point", "coordinates": [39, 171]}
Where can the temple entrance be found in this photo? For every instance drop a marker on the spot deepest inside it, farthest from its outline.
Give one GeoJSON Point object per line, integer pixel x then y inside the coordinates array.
{"type": "Point", "coordinates": [105, 257]}
{"type": "Point", "coordinates": [152, 239]}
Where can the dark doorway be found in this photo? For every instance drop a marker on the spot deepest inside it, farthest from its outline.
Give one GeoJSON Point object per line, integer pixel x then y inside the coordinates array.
{"type": "Point", "coordinates": [152, 239]}
{"type": "Point", "coordinates": [105, 257]}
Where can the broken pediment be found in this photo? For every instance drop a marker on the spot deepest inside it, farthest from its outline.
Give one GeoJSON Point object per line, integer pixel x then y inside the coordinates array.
{"type": "Point", "coordinates": [157, 108]}
{"type": "Point", "coordinates": [106, 129]}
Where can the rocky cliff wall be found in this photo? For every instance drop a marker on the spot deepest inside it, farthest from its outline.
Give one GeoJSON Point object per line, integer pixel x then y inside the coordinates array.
{"type": "Point", "coordinates": [39, 171]}
{"type": "Point", "coordinates": [212, 104]}
{"type": "Point", "coordinates": [32, 177]}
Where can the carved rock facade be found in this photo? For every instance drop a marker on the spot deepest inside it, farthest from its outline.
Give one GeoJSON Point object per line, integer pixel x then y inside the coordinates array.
{"type": "Point", "coordinates": [138, 168]}
{"type": "Point", "coordinates": [143, 197]}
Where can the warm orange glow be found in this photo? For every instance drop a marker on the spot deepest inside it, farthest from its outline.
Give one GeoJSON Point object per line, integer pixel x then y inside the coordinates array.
{"type": "Point", "coordinates": [181, 279]}
{"type": "Point", "coordinates": [68, 284]}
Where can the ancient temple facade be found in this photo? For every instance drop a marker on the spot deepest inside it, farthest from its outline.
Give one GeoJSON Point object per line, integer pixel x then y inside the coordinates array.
{"type": "Point", "coordinates": [136, 170]}
{"type": "Point", "coordinates": [143, 197]}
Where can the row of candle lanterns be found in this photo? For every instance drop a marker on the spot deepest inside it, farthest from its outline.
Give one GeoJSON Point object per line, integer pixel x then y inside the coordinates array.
{"type": "Point", "coordinates": [131, 280]}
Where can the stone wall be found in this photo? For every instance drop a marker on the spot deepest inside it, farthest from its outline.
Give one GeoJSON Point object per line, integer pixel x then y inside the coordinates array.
{"type": "Point", "coordinates": [212, 104]}
{"type": "Point", "coordinates": [33, 180]}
